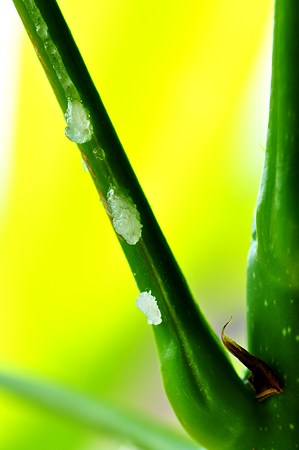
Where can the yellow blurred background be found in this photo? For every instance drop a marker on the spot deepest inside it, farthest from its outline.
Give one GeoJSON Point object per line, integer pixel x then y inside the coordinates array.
{"type": "Point", "coordinates": [186, 85]}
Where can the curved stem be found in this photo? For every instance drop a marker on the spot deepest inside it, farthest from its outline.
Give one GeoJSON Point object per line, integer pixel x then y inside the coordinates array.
{"type": "Point", "coordinates": [205, 392]}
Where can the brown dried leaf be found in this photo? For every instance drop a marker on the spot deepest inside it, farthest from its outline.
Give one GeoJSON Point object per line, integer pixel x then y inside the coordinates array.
{"type": "Point", "coordinates": [262, 378]}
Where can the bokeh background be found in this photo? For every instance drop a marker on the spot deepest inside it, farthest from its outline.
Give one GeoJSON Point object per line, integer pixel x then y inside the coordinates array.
{"type": "Point", "coordinates": [186, 85]}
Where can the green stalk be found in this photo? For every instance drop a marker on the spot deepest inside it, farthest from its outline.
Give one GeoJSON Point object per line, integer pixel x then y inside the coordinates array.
{"type": "Point", "coordinates": [96, 414]}
{"type": "Point", "coordinates": [273, 268]}
{"type": "Point", "coordinates": [206, 394]}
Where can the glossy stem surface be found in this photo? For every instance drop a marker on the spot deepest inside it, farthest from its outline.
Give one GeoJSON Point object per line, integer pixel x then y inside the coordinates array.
{"type": "Point", "coordinates": [273, 268]}
{"type": "Point", "coordinates": [203, 388]}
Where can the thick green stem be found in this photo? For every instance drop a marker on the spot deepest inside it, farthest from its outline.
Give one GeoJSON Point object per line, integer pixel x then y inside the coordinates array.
{"type": "Point", "coordinates": [208, 397]}
{"type": "Point", "coordinates": [273, 269]}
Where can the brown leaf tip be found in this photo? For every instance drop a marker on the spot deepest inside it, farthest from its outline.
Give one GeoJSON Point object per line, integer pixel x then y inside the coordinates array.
{"type": "Point", "coordinates": [262, 378]}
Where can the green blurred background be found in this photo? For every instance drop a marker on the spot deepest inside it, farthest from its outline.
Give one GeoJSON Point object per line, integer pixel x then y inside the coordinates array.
{"type": "Point", "coordinates": [186, 85]}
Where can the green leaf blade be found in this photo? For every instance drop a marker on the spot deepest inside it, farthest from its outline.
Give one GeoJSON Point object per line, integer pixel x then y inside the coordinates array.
{"type": "Point", "coordinates": [96, 414]}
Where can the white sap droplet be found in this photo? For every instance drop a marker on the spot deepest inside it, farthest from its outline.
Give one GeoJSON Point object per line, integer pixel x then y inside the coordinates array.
{"type": "Point", "coordinates": [146, 302]}
{"type": "Point", "coordinates": [79, 128]}
{"type": "Point", "coordinates": [125, 216]}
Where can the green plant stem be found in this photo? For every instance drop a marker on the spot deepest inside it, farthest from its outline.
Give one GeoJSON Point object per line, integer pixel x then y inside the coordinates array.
{"type": "Point", "coordinates": [204, 390]}
{"type": "Point", "coordinates": [273, 269]}
{"type": "Point", "coordinates": [96, 414]}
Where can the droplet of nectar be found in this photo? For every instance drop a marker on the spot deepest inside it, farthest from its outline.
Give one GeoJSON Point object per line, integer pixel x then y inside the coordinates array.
{"type": "Point", "coordinates": [99, 153]}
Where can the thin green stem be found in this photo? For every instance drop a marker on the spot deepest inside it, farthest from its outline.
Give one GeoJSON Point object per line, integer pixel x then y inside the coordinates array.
{"type": "Point", "coordinates": [205, 392]}
{"type": "Point", "coordinates": [96, 414]}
